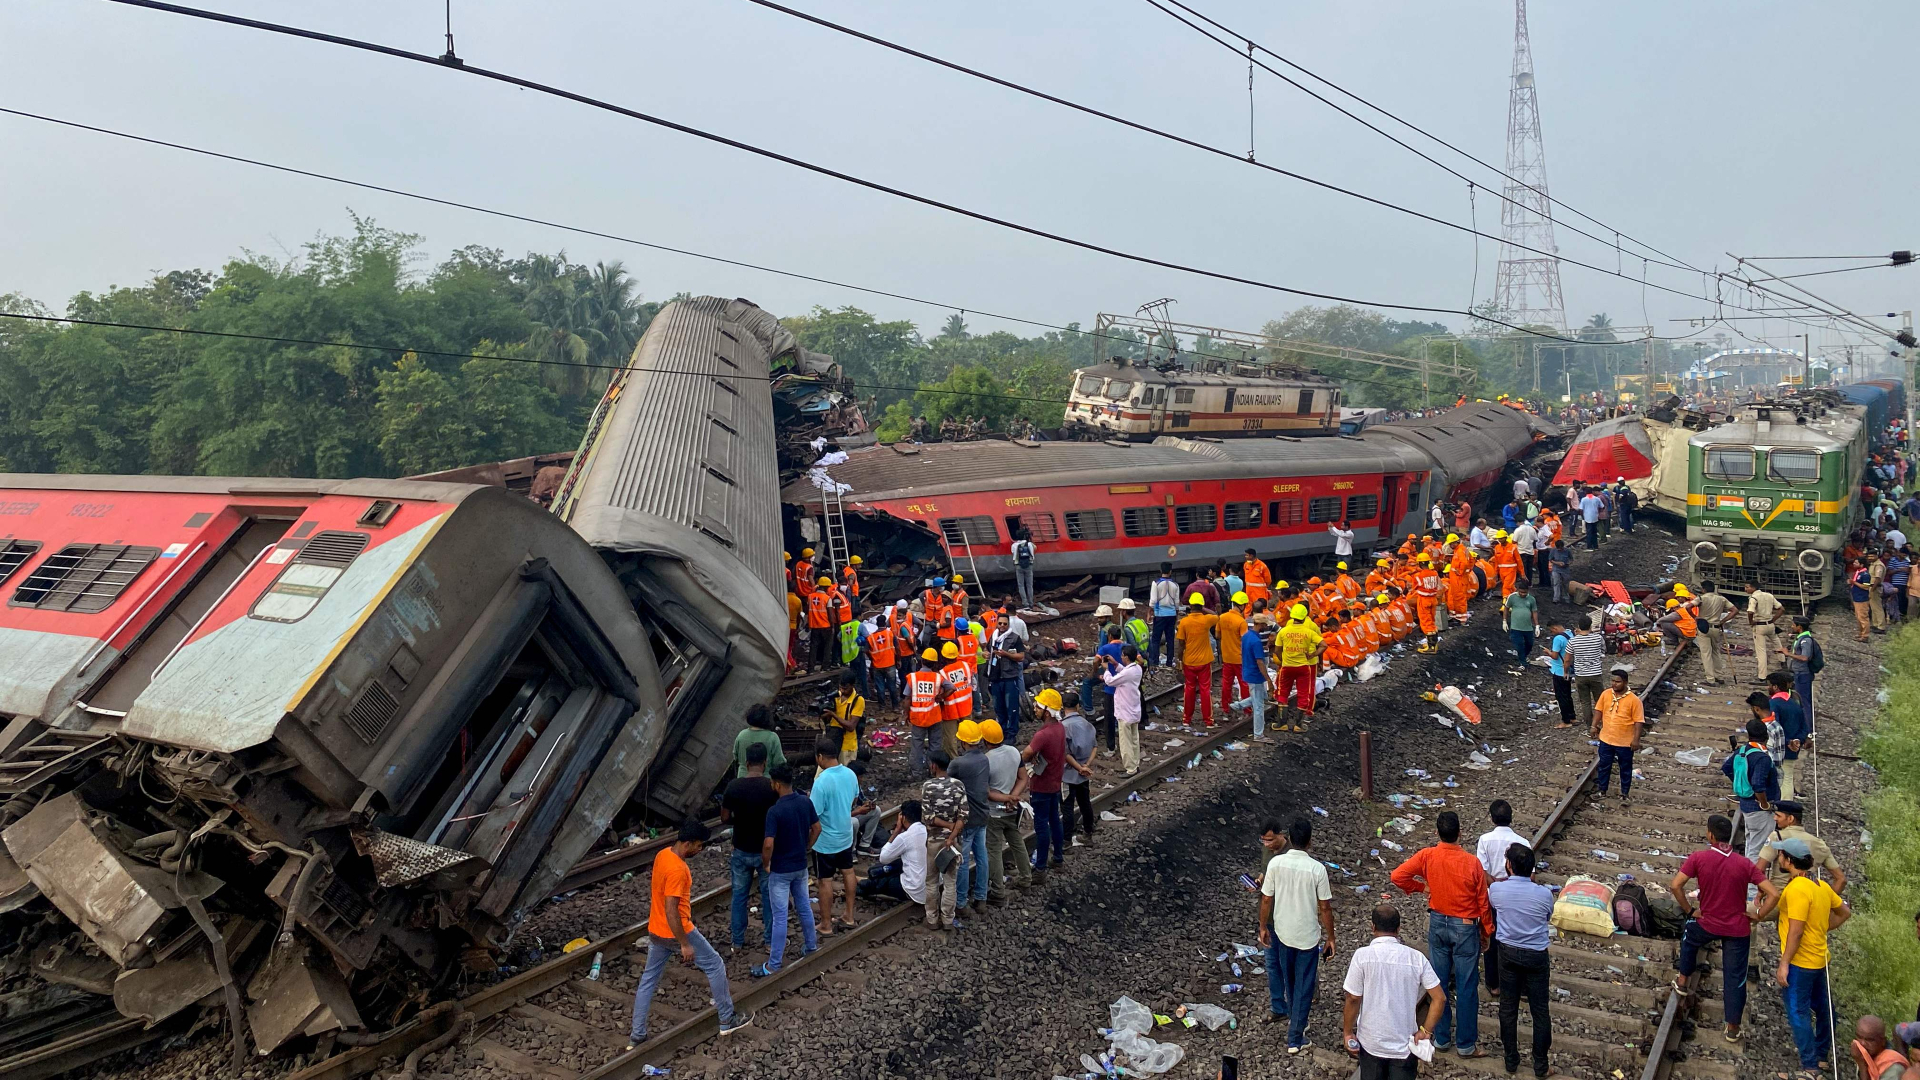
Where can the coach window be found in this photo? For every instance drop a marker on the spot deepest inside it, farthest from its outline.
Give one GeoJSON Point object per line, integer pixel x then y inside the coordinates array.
{"type": "Point", "coordinates": [1183, 397]}
{"type": "Point", "coordinates": [1040, 528]}
{"type": "Point", "coordinates": [1306, 401]}
{"type": "Point", "coordinates": [1243, 515]}
{"type": "Point", "coordinates": [1323, 510]}
{"type": "Point", "coordinates": [1146, 520]}
{"type": "Point", "coordinates": [969, 531]}
{"type": "Point", "coordinates": [14, 554]}
{"type": "Point", "coordinates": [1362, 507]}
{"type": "Point", "coordinates": [1728, 463]}
{"type": "Point", "coordinates": [82, 578]}
{"type": "Point", "coordinates": [1793, 466]}
{"type": "Point", "coordinates": [1179, 419]}
{"type": "Point", "coordinates": [1089, 524]}
{"type": "Point", "coordinates": [1196, 518]}
{"type": "Point", "coordinates": [1286, 512]}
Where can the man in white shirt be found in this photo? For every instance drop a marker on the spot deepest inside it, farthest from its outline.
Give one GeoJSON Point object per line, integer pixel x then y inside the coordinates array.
{"type": "Point", "coordinates": [1479, 539]}
{"type": "Point", "coordinates": [1385, 981]}
{"type": "Point", "coordinates": [1438, 517]}
{"type": "Point", "coordinates": [900, 870]}
{"type": "Point", "coordinates": [1522, 538]}
{"type": "Point", "coordinates": [1296, 928]}
{"type": "Point", "coordinates": [1342, 540]}
{"type": "Point", "coordinates": [1492, 853]}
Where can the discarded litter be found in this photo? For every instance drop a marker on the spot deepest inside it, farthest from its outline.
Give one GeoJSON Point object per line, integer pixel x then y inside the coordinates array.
{"type": "Point", "coordinates": [1321, 812]}
{"type": "Point", "coordinates": [1421, 773]}
{"type": "Point", "coordinates": [1699, 757]}
{"type": "Point", "coordinates": [1236, 970]}
{"type": "Point", "coordinates": [1212, 1017]}
{"type": "Point", "coordinates": [1169, 779]}
{"type": "Point", "coordinates": [1478, 761]}
{"type": "Point", "coordinates": [1604, 855]}
{"type": "Point", "coordinates": [1238, 746]}
{"type": "Point", "coordinates": [1174, 744]}
{"type": "Point", "coordinates": [593, 973]}
{"type": "Point", "coordinates": [1230, 988]}
{"type": "Point", "coordinates": [1390, 845]}
{"type": "Point", "coordinates": [1108, 815]}
{"type": "Point", "coordinates": [1127, 1014]}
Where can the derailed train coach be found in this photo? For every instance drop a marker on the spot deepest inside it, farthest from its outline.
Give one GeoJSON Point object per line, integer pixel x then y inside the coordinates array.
{"type": "Point", "coordinates": [290, 747]}
{"type": "Point", "coordinates": [1124, 508]}
{"type": "Point", "coordinates": [299, 738]}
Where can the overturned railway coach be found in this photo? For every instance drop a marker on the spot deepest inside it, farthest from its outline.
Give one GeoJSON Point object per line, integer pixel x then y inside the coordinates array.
{"type": "Point", "coordinates": [336, 730]}
{"type": "Point", "coordinates": [1122, 508]}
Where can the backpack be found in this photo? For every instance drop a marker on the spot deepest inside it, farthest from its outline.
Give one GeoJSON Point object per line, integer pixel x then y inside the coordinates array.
{"type": "Point", "coordinates": [1742, 779]}
{"type": "Point", "coordinates": [1817, 657]}
{"type": "Point", "coordinates": [1630, 910]}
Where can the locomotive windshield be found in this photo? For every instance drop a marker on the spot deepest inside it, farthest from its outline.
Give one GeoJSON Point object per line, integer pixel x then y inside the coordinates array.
{"type": "Point", "coordinates": [1089, 385]}
{"type": "Point", "coordinates": [1118, 389]}
{"type": "Point", "coordinates": [1793, 466]}
{"type": "Point", "coordinates": [1729, 463]}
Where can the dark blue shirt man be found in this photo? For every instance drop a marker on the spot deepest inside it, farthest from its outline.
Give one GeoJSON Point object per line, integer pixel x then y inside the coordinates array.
{"type": "Point", "coordinates": [1763, 780]}
{"type": "Point", "coordinates": [1793, 727]}
{"type": "Point", "coordinates": [1110, 647]}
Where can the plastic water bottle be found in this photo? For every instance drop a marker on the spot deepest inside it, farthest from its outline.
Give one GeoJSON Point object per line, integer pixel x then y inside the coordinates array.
{"type": "Point", "coordinates": [1604, 855]}
{"type": "Point", "coordinates": [593, 973]}
{"type": "Point", "coordinates": [653, 1070]}
{"type": "Point", "coordinates": [1229, 988]}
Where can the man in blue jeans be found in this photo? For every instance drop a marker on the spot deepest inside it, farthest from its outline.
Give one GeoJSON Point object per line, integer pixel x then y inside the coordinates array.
{"type": "Point", "coordinates": [970, 768]}
{"type": "Point", "coordinates": [744, 805]}
{"type": "Point", "coordinates": [792, 827]}
{"type": "Point", "coordinates": [1296, 927]}
{"type": "Point", "coordinates": [1164, 599]}
{"type": "Point", "coordinates": [1006, 666]}
{"type": "Point", "coordinates": [1722, 877]}
{"type": "Point", "coordinates": [1459, 922]}
{"type": "Point", "coordinates": [670, 923]}
{"type": "Point", "coordinates": [1809, 910]}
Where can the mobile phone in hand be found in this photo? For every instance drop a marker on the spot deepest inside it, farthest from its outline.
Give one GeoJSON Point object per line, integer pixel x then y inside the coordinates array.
{"type": "Point", "coordinates": [1229, 1068]}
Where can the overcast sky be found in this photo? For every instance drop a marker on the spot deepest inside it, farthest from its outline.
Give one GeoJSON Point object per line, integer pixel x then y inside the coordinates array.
{"type": "Point", "coordinates": [1755, 127]}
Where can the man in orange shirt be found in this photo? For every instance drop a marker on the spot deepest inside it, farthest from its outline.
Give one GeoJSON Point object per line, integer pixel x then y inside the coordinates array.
{"type": "Point", "coordinates": [1426, 601]}
{"type": "Point", "coordinates": [1459, 923]}
{"type": "Point", "coordinates": [1379, 576]}
{"type": "Point", "coordinates": [1460, 588]}
{"type": "Point", "coordinates": [1229, 628]}
{"type": "Point", "coordinates": [1618, 722]}
{"type": "Point", "coordinates": [1194, 636]}
{"type": "Point", "coordinates": [670, 921]}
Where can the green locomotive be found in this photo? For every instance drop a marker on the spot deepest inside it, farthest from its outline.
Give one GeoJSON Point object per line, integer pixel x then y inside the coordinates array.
{"type": "Point", "coordinates": [1771, 495]}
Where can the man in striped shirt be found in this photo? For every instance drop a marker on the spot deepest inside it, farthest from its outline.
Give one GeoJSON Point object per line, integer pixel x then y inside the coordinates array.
{"type": "Point", "coordinates": [1587, 654]}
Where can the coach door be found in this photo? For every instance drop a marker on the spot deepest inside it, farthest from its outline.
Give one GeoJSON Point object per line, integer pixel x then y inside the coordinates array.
{"type": "Point", "coordinates": [1391, 487]}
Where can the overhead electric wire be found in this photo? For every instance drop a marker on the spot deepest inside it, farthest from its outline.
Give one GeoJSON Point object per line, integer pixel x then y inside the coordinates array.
{"type": "Point", "coordinates": [1183, 140]}
{"type": "Point", "coordinates": [602, 234]}
{"type": "Point", "coordinates": [1841, 270]}
{"type": "Point", "coordinates": [800, 163]}
{"type": "Point", "coordinates": [1677, 263]}
{"type": "Point", "coordinates": [587, 365]}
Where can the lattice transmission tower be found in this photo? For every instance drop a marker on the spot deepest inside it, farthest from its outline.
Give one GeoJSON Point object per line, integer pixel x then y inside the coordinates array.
{"type": "Point", "coordinates": [1528, 286]}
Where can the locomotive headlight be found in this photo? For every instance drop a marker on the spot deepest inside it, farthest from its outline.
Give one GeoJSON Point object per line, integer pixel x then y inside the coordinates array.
{"type": "Point", "coordinates": [1758, 504]}
{"type": "Point", "coordinates": [1706, 551]}
{"type": "Point", "coordinates": [1812, 560]}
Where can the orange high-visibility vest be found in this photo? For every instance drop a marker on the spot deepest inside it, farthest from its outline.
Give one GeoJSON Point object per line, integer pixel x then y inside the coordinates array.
{"type": "Point", "coordinates": [959, 704]}
{"type": "Point", "coordinates": [850, 580]}
{"type": "Point", "coordinates": [1346, 586]}
{"type": "Point", "coordinates": [923, 698]}
{"type": "Point", "coordinates": [1376, 581]}
{"type": "Point", "coordinates": [970, 652]}
{"type": "Point", "coordinates": [1259, 578]}
{"type": "Point", "coordinates": [819, 610]}
{"type": "Point", "coordinates": [880, 647]}
{"type": "Point", "coordinates": [1427, 587]}
{"type": "Point", "coordinates": [803, 577]}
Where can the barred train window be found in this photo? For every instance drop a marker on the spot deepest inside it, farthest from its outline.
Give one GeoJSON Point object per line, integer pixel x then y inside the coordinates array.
{"type": "Point", "coordinates": [969, 531]}
{"type": "Point", "coordinates": [1089, 524]}
{"type": "Point", "coordinates": [1323, 510]}
{"type": "Point", "coordinates": [1196, 517]}
{"type": "Point", "coordinates": [1243, 515]}
{"type": "Point", "coordinates": [1362, 507]}
{"type": "Point", "coordinates": [82, 578]}
{"type": "Point", "coordinates": [1286, 512]}
{"type": "Point", "coordinates": [1146, 520]}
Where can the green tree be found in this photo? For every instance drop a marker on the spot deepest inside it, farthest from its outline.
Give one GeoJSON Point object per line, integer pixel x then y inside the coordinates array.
{"type": "Point", "coordinates": [967, 392]}
{"type": "Point", "coordinates": [880, 356]}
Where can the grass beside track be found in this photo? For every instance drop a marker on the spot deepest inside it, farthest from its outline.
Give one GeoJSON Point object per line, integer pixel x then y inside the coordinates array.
{"type": "Point", "coordinates": [1877, 962]}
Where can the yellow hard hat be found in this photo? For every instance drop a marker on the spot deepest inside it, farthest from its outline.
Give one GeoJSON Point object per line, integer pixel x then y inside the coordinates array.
{"type": "Point", "coordinates": [958, 580]}
{"type": "Point", "coordinates": [1447, 569]}
{"type": "Point", "coordinates": [1283, 585]}
{"type": "Point", "coordinates": [786, 557]}
{"type": "Point", "coordinates": [855, 560]}
{"type": "Point", "coordinates": [1048, 699]}
{"type": "Point", "coordinates": [824, 580]}
{"type": "Point", "coordinates": [1453, 538]}
{"type": "Point", "coordinates": [929, 655]}
{"type": "Point", "coordinates": [990, 731]}
{"type": "Point", "coordinates": [1299, 613]}
{"type": "Point", "coordinates": [1239, 598]}
{"type": "Point", "coordinates": [1340, 566]}
{"type": "Point", "coordinates": [950, 651]}
{"type": "Point", "coordinates": [969, 732]}
{"type": "Point", "coordinates": [1381, 599]}
{"type": "Point", "coordinates": [1500, 534]}
{"type": "Point", "coordinates": [1682, 590]}
{"type": "Point", "coordinates": [1423, 557]}
{"type": "Point", "coordinates": [1671, 604]}
{"type": "Point", "coordinates": [1196, 600]}
{"type": "Point", "coordinates": [1381, 562]}
{"type": "Point", "coordinates": [806, 553]}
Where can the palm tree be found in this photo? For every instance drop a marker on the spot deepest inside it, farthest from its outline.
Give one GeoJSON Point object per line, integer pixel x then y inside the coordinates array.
{"type": "Point", "coordinates": [614, 305]}
{"type": "Point", "coordinates": [955, 327]}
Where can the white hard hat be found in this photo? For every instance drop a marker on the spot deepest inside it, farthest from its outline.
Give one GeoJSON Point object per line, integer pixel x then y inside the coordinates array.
{"type": "Point", "coordinates": [1102, 611]}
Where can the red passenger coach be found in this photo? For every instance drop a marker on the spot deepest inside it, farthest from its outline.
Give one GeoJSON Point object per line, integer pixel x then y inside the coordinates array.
{"type": "Point", "coordinates": [1124, 508]}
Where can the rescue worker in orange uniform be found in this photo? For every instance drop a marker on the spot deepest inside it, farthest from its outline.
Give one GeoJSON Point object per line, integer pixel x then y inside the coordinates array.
{"type": "Point", "coordinates": [1460, 590]}
{"type": "Point", "coordinates": [969, 643]}
{"type": "Point", "coordinates": [1229, 628]}
{"type": "Point", "coordinates": [1257, 576]}
{"type": "Point", "coordinates": [820, 623]}
{"type": "Point", "coordinates": [796, 614]}
{"type": "Point", "coordinates": [881, 673]}
{"type": "Point", "coordinates": [1426, 602]}
{"type": "Point", "coordinates": [957, 702]}
{"type": "Point", "coordinates": [803, 576]}
{"type": "Point", "coordinates": [1344, 582]}
{"type": "Point", "coordinates": [1338, 650]}
{"type": "Point", "coordinates": [924, 710]}
{"type": "Point", "coordinates": [850, 578]}
{"type": "Point", "coordinates": [1506, 562]}
{"type": "Point", "coordinates": [1378, 577]}
{"type": "Point", "coordinates": [1400, 609]}
{"type": "Point", "coordinates": [1411, 547]}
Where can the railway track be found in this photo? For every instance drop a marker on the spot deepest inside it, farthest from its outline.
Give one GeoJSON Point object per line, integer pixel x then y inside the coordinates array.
{"type": "Point", "coordinates": [1614, 1006]}
{"type": "Point", "coordinates": [557, 998]}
